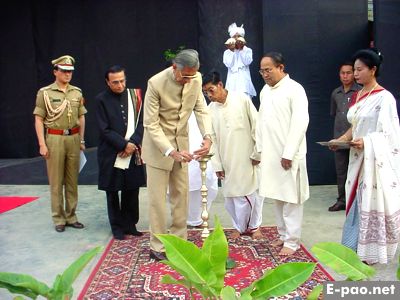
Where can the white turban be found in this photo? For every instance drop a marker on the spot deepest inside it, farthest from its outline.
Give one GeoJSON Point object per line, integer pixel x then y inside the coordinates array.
{"type": "Point", "coordinates": [233, 29]}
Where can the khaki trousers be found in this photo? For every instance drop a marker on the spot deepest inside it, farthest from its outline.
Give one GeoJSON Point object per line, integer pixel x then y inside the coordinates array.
{"type": "Point", "coordinates": [157, 182]}
{"type": "Point", "coordinates": [63, 171]}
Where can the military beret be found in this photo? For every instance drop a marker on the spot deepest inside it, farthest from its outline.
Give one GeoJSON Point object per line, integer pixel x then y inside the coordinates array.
{"type": "Point", "coordinates": [65, 62]}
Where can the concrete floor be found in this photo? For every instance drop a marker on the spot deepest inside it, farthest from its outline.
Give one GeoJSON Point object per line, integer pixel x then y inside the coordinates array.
{"type": "Point", "coordinates": [29, 244]}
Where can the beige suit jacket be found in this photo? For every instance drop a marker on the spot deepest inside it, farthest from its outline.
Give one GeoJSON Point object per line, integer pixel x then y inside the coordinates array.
{"type": "Point", "coordinates": [167, 108]}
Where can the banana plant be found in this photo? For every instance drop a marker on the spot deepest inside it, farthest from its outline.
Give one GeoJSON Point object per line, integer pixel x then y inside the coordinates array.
{"type": "Point", "coordinates": [30, 287]}
{"type": "Point", "coordinates": [203, 270]}
{"type": "Point", "coordinates": [398, 270]}
{"type": "Point", "coordinates": [342, 260]}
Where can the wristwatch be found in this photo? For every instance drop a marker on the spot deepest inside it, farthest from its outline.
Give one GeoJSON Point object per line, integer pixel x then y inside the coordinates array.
{"type": "Point", "coordinates": [82, 142]}
{"type": "Point", "coordinates": [207, 137]}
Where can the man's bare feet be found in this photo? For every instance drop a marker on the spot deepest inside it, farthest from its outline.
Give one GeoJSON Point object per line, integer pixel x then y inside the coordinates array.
{"type": "Point", "coordinates": [234, 235]}
{"type": "Point", "coordinates": [285, 251]}
{"type": "Point", "coordinates": [257, 235]}
{"type": "Point", "coordinates": [277, 243]}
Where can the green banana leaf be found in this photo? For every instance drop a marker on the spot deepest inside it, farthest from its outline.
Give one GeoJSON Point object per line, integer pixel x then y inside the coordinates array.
{"type": "Point", "coordinates": [245, 294]}
{"type": "Point", "coordinates": [215, 248]}
{"type": "Point", "coordinates": [23, 284]}
{"type": "Point", "coordinates": [168, 279]}
{"type": "Point", "coordinates": [315, 293]}
{"type": "Point", "coordinates": [202, 289]}
{"type": "Point", "coordinates": [282, 280]}
{"type": "Point", "coordinates": [343, 260]}
{"type": "Point", "coordinates": [188, 260]}
{"type": "Point", "coordinates": [63, 283]}
{"type": "Point", "coordinates": [18, 290]}
{"type": "Point", "coordinates": [398, 271]}
{"type": "Point", "coordinates": [228, 293]}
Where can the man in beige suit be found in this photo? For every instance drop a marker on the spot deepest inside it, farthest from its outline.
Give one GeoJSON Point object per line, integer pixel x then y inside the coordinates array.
{"type": "Point", "coordinates": [171, 97]}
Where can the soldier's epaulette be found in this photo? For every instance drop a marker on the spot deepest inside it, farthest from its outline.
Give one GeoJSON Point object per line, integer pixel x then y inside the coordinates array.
{"type": "Point", "coordinates": [75, 88]}
{"type": "Point", "coordinates": [45, 88]}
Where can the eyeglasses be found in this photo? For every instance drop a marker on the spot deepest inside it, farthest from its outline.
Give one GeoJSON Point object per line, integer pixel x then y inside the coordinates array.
{"type": "Point", "coordinates": [265, 71]}
{"type": "Point", "coordinates": [186, 76]}
{"type": "Point", "coordinates": [65, 71]}
{"type": "Point", "coordinates": [116, 82]}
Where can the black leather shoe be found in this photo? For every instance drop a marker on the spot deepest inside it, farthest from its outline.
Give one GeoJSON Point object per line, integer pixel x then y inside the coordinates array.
{"type": "Point", "coordinates": [157, 255]}
{"type": "Point", "coordinates": [76, 225]}
{"type": "Point", "coordinates": [337, 206]}
{"type": "Point", "coordinates": [195, 227]}
{"type": "Point", "coordinates": [119, 237]}
{"type": "Point", "coordinates": [60, 228]}
{"type": "Point", "coordinates": [134, 232]}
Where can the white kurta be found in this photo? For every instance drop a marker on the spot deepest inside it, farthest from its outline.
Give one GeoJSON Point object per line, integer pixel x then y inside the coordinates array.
{"type": "Point", "coordinates": [281, 133]}
{"type": "Point", "coordinates": [234, 130]}
{"type": "Point", "coordinates": [239, 78]}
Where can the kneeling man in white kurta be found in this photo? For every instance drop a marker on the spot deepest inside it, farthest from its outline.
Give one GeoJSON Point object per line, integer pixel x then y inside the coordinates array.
{"type": "Point", "coordinates": [235, 159]}
{"type": "Point", "coordinates": [281, 139]}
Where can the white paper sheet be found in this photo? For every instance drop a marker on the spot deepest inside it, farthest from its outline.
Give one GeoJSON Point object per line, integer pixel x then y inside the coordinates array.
{"type": "Point", "coordinates": [82, 160]}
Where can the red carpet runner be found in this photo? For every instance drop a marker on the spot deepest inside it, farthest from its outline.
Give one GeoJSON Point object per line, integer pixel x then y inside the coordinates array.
{"type": "Point", "coordinates": [11, 202]}
{"type": "Point", "coordinates": [126, 272]}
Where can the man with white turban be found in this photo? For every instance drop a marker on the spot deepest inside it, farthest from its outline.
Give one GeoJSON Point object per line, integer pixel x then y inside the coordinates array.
{"type": "Point", "coordinates": [237, 58]}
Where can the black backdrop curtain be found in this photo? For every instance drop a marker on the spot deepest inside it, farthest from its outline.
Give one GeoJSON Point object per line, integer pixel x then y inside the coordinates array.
{"type": "Point", "coordinates": [314, 35]}
{"type": "Point", "coordinates": [387, 40]}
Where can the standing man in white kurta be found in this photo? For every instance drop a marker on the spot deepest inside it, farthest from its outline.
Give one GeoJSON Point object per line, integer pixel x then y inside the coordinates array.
{"type": "Point", "coordinates": [235, 158]}
{"type": "Point", "coordinates": [237, 58]}
{"type": "Point", "coordinates": [281, 139]}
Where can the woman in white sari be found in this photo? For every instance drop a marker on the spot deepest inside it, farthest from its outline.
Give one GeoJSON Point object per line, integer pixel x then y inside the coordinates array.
{"type": "Point", "coordinates": [372, 226]}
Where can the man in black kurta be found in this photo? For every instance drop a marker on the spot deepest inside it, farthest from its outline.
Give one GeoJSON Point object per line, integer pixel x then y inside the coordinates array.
{"type": "Point", "coordinates": [119, 119]}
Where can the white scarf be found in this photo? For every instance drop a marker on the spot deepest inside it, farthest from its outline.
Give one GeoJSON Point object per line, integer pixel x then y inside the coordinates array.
{"type": "Point", "coordinates": [123, 163]}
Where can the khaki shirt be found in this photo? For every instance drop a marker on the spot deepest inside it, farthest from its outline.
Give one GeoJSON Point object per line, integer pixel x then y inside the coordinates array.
{"type": "Point", "coordinates": [56, 97]}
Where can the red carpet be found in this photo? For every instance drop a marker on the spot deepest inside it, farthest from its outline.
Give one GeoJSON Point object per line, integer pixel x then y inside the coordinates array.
{"type": "Point", "coordinates": [10, 202]}
{"type": "Point", "coordinates": [126, 272]}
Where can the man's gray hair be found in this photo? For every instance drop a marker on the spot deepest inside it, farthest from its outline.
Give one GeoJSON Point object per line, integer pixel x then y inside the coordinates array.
{"type": "Point", "coordinates": [187, 58]}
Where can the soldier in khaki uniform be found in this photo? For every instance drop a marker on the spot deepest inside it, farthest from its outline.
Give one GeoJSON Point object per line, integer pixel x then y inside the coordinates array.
{"type": "Point", "coordinates": [60, 127]}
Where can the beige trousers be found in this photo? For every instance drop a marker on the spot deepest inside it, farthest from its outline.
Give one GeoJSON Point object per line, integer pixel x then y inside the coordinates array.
{"type": "Point", "coordinates": [157, 182]}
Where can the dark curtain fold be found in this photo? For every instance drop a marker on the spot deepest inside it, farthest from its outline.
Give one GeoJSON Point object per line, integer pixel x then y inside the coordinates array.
{"type": "Point", "coordinates": [387, 40]}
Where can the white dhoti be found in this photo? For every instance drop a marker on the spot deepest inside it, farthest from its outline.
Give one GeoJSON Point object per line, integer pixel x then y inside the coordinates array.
{"type": "Point", "coordinates": [246, 212]}
{"type": "Point", "coordinates": [289, 217]}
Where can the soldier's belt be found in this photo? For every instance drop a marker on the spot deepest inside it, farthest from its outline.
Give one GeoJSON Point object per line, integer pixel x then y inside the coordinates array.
{"type": "Point", "coordinates": [70, 131]}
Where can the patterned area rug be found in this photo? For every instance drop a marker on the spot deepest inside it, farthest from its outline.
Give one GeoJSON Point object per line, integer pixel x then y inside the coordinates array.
{"type": "Point", "coordinates": [125, 270]}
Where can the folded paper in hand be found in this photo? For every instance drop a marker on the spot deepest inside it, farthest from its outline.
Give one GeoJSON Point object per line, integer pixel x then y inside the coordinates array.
{"type": "Point", "coordinates": [122, 163]}
{"type": "Point", "coordinates": [340, 144]}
